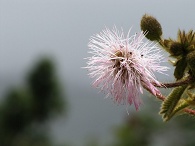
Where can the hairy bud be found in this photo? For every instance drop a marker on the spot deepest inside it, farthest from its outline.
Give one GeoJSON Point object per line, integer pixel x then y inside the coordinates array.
{"type": "Point", "coordinates": [152, 27]}
{"type": "Point", "coordinates": [176, 49]}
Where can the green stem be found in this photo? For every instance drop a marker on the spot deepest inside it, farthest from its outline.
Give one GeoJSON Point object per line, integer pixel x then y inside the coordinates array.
{"type": "Point", "coordinates": [161, 43]}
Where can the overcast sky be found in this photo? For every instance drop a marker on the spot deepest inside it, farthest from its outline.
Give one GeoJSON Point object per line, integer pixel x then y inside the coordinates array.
{"type": "Point", "coordinates": [61, 29]}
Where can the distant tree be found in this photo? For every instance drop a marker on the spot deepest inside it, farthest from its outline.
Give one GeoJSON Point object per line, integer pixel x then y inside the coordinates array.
{"type": "Point", "coordinates": [25, 109]}
{"type": "Point", "coordinates": [45, 90]}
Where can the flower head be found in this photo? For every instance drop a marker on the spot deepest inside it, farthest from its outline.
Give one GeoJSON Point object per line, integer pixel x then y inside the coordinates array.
{"type": "Point", "coordinates": [123, 66]}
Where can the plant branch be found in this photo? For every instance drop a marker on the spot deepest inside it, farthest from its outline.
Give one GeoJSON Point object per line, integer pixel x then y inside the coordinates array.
{"type": "Point", "coordinates": [189, 111]}
{"type": "Point", "coordinates": [188, 80]}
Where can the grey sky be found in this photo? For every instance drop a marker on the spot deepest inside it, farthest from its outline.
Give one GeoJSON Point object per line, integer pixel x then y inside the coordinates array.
{"type": "Point", "coordinates": [61, 29]}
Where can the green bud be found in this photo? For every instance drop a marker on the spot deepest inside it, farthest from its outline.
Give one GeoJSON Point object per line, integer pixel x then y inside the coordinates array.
{"type": "Point", "coordinates": [191, 61]}
{"type": "Point", "coordinates": [152, 27]}
{"type": "Point", "coordinates": [176, 49]}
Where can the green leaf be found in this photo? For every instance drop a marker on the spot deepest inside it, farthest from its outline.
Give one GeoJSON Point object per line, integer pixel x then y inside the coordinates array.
{"type": "Point", "coordinates": [171, 101]}
{"type": "Point", "coordinates": [180, 68]}
{"type": "Point", "coordinates": [183, 103]}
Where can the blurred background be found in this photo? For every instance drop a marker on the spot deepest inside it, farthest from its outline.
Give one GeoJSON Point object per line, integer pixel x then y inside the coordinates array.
{"type": "Point", "coordinates": [46, 98]}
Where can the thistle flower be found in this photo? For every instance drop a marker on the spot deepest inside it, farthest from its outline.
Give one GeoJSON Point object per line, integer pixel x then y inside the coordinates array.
{"type": "Point", "coordinates": [123, 66]}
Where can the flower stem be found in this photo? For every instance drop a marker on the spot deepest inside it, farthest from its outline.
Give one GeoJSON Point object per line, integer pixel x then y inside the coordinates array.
{"type": "Point", "coordinates": [188, 80]}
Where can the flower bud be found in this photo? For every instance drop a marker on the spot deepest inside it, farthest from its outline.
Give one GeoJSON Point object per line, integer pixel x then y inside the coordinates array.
{"type": "Point", "coordinates": [152, 27]}
{"type": "Point", "coordinates": [176, 49]}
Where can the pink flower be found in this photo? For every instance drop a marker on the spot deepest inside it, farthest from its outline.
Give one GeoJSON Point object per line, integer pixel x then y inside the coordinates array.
{"type": "Point", "coordinates": [123, 66]}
